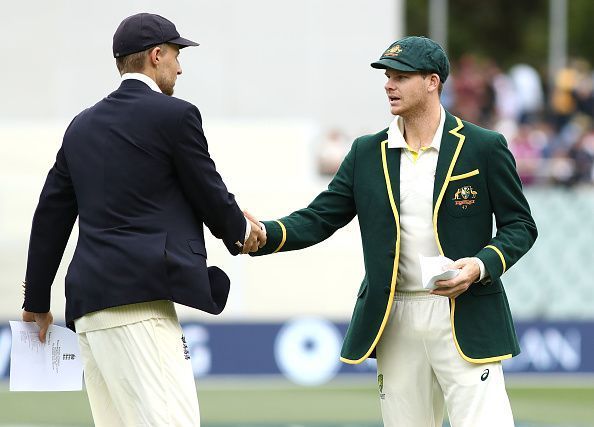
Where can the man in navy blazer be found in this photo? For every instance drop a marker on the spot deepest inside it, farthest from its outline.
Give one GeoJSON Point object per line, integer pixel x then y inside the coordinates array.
{"type": "Point", "coordinates": [135, 169]}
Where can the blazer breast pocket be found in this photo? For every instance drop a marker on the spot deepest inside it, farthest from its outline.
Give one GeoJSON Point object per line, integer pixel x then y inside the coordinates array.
{"type": "Point", "coordinates": [465, 195]}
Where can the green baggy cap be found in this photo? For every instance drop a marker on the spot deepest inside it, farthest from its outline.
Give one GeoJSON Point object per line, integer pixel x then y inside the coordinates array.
{"type": "Point", "coordinates": [415, 53]}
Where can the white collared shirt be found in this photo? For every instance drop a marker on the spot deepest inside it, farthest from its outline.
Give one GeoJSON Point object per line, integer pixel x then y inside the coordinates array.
{"type": "Point", "coordinates": [417, 179]}
{"type": "Point", "coordinates": [143, 78]}
{"type": "Point", "coordinates": [153, 85]}
{"type": "Point", "coordinates": [396, 134]}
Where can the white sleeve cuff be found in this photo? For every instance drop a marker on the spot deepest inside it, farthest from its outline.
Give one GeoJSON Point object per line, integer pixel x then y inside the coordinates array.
{"type": "Point", "coordinates": [248, 229]}
{"type": "Point", "coordinates": [481, 267]}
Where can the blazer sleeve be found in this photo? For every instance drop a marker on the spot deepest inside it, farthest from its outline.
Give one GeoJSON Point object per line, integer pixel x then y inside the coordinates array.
{"type": "Point", "coordinates": [202, 184]}
{"type": "Point", "coordinates": [330, 210]}
{"type": "Point", "coordinates": [52, 224]}
{"type": "Point", "coordinates": [516, 229]}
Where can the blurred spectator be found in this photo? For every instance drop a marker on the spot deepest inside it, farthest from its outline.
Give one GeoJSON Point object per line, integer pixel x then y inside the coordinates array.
{"type": "Point", "coordinates": [333, 149]}
{"type": "Point", "coordinates": [527, 153]}
{"type": "Point", "coordinates": [583, 91]}
{"type": "Point", "coordinates": [469, 88]}
{"type": "Point", "coordinates": [563, 104]}
{"type": "Point", "coordinates": [582, 155]}
{"type": "Point", "coordinates": [560, 169]}
{"type": "Point", "coordinates": [507, 102]}
{"type": "Point", "coordinates": [529, 94]}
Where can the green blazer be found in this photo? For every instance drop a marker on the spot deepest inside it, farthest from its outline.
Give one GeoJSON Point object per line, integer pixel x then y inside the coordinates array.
{"type": "Point", "coordinates": [475, 180]}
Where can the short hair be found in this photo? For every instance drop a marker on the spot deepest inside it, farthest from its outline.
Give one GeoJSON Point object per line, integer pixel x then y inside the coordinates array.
{"type": "Point", "coordinates": [426, 74]}
{"type": "Point", "coordinates": [134, 63]}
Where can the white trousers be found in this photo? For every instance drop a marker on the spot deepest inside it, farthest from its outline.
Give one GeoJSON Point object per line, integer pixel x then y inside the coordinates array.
{"type": "Point", "coordinates": [420, 369]}
{"type": "Point", "coordinates": [138, 375]}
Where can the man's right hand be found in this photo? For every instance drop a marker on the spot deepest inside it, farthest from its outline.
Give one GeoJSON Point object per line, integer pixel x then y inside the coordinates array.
{"type": "Point", "coordinates": [257, 237]}
{"type": "Point", "coordinates": [43, 320]}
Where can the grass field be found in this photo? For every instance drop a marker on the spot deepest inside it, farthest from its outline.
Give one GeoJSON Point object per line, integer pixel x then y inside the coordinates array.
{"type": "Point", "coordinates": [279, 404]}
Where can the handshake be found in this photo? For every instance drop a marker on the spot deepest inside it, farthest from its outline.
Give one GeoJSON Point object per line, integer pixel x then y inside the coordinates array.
{"type": "Point", "coordinates": [257, 236]}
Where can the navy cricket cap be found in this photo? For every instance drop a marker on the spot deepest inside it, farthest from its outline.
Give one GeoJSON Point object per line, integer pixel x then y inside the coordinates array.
{"type": "Point", "coordinates": [144, 30]}
{"type": "Point", "coordinates": [415, 53]}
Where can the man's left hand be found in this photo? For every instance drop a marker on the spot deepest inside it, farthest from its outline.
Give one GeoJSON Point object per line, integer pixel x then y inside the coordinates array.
{"type": "Point", "coordinates": [469, 273]}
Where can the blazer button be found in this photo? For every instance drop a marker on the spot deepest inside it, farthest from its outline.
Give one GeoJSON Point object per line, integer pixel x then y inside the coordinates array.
{"type": "Point", "coordinates": [387, 290]}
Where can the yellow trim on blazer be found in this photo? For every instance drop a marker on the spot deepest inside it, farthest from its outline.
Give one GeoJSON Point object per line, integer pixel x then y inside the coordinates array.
{"type": "Point", "coordinates": [435, 211]}
{"type": "Point", "coordinates": [284, 239]}
{"type": "Point", "coordinates": [447, 179]}
{"type": "Point", "coordinates": [465, 175]}
{"type": "Point", "coordinates": [500, 256]}
{"type": "Point", "coordinates": [465, 357]}
{"type": "Point", "coordinates": [395, 266]}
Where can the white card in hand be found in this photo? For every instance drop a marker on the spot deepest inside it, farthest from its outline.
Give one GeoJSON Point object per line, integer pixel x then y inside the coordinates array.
{"type": "Point", "coordinates": [432, 270]}
{"type": "Point", "coordinates": [51, 366]}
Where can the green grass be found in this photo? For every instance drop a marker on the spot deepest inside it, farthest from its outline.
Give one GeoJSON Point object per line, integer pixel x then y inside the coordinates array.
{"type": "Point", "coordinates": [295, 404]}
{"type": "Point", "coordinates": [563, 405]}
{"type": "Point", "coordinates": [258, 404]}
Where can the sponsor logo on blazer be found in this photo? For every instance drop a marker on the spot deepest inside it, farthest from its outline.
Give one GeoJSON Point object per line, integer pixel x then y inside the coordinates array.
{"type": "Point", "coordinates": [465, 196]}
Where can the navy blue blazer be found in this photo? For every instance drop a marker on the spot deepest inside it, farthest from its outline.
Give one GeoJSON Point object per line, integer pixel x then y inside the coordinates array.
{"type": "Point", "coordinates": [135, 169]}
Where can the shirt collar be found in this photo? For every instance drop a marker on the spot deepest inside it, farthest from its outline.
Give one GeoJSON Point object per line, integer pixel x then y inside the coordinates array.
{"type": "Point", "coordinates": [396, 129]}
{"type": "Point", "coordinates": [143, 78]}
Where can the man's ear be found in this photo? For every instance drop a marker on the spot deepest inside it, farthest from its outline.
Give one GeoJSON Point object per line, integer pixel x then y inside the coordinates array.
{"type": "Point", "coordinates": [155, 55]}
{"type": "Point", "coordinates": [433, 82]}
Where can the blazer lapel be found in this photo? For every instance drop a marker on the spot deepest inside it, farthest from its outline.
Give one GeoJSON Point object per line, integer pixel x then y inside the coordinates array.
{"type": "Point", "coordinates": [391, 167]}
{"type": "Point", "coordinates": [451, 145]}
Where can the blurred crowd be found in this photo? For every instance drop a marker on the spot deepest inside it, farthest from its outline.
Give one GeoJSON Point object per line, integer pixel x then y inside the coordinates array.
{"type": "Point", "coordinates": [549, 125]}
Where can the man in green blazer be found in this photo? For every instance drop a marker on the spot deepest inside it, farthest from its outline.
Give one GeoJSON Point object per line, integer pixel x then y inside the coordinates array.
{"type": "Point", "coordinates": [428, 185]}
